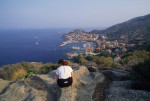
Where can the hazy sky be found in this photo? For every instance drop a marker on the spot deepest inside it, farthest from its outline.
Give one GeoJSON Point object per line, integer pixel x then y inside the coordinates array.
{"type": "Point", "coordinates": [69, 13]}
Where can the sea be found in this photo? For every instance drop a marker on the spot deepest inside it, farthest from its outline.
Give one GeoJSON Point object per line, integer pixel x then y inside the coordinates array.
{"type": "Point", "coordinates": [33, 45]}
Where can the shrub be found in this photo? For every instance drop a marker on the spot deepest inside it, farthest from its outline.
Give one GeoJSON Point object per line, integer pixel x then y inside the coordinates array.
{"type": "Point", "coordinates": [20, 72]}
{"type": "Point", "coordinates": [32, 66]}
{"type": "Point", "coordinates": [15, 71]}
{"type": "Point", "coordinates": [82, 61]}
{"type": "Point", "coordinates": [90, 58]}
{"type": "Point", "coordinates": [97, 60]}
{"type": "Point", "coordinates": [114, 65]}
{"type": "Point", "coordinates": [104, 61]}
{"type": "Point", "coordinates": [7, 71]}
{"type": "Point", "coordinates": [79, 59]}
{"type": "Point", "coordinates": [133, 58]}
{"type": "Point", "coordinates": [47, 68]}
{"type": "Point", "coordinates": [70, 63]}
{"type": "Point", "coordinates": [141, 71]}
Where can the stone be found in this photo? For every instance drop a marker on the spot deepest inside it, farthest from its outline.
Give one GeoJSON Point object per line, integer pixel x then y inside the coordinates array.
{"type": "Point", "coordinates": [107, 84]}
{"type": "Point", "coordinates": [18, 92]}
{"type": "Point", "coordinates": [119, 91]}
{"type": "Point", "coordinates": [115, 74]}
{"type": "Point", "coordinates": [91, 69]}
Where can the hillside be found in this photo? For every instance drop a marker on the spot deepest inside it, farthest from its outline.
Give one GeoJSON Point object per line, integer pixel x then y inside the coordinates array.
{"type": "Point", "coordinates": [136, 29]}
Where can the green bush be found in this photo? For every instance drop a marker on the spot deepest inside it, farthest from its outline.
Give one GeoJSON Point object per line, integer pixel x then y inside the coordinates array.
{"type": "Point", "coordinates": [47, 68]}
{"type": "Point", "coordinates": [142, 55]}
{"type": "Point", "coordinates": [141, 71]}
{"type": "Point", "coordinates": [90, 58]}
{"type": "Point", "coordinates": [17, 74]}
{"type": "Point", "coordinates": [79, 59]}
{"type": "Point", "coordinates": [104, 61]}
{"type": "Point", "coordinates": [32, 66]}
{"type": "Point", "coordinates": [8, 71]}
{"type": "Point", "coordinates": [133, 58]}
{"type": "Point", "coordinates": [82, 61]}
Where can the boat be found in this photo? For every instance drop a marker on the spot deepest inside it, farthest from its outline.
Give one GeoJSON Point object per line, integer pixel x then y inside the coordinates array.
{"type": "Point", "coordinates": [37, 43]}
{"type": "Point", "coordinates": [77, 48]}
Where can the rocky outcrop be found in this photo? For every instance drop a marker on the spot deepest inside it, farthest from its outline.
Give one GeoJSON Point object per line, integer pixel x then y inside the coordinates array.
{"type": "Point", "coordinates": [83, 89]}
{"type": "Point", "coordinates": [18, 91]}
{"type": "Point", "coordinates": [115, 74]}
{"type": "Point", "coordinates": [44, 88]}
{"type": "Point", "coordinates": [107, 84]}
{"type": "Point", "coordinates": [120, 91]}
{"type": "Point", "coordinates": [119, 87]}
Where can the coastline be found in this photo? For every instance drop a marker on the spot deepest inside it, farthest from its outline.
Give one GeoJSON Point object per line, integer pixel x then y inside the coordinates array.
{"type": "Point", "coordinates": [21, 45]}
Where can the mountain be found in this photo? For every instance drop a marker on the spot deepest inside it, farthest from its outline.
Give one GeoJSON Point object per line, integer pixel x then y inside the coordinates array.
{"type": "Point", "coordinates": [79, 31]}
{"type": "Point", "coordinates": [138, 25]}
{"type": "Point", "coordinates": [136, 29]}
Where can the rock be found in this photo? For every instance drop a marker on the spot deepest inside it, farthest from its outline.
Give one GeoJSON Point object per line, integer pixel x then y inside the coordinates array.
{"type": "Point", "coordinates": [119, 91]}
{"type": "Point", "coordinates": [119, 88]}
{"type": "Point", "coordinates": [44, 87]}
{"type": "Point", "coordinates": [115, 74]}
{"type": "Point", "coordinates": [108, 84]}
{"type": "Point", "coordinates": [92, 66]}
{"type": "Point", "coordinates": [91, 69]}
{"type": "Point", "coordinates": [18, 92]}
{"type": "Point", "coordinates": [83, 89]}
{"type": "Point", "coordinates": [86, 84]}
{"type": "Point", "coordinates": [3, 85]}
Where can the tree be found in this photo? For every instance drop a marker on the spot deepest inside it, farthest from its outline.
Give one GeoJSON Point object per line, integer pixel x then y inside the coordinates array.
{"type": "Point", "coordinates": [90, 58]}
{"type": "Point", "coordinates": [104, 61]}
{"type": "Point", "coordinates": [82, 61]}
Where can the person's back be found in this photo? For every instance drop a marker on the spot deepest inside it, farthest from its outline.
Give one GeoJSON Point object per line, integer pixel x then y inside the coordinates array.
{"type": "Point", "coordinates": [64, 74]}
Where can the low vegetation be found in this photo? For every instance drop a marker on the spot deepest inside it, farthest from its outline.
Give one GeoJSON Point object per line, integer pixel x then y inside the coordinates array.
{"type": "Point", "coordinates": [137, 62]}
{"type": "Point", "coordinates": [141, 71]}
{"type": "Point", "coordinates": [141, 74]}
{"type": "Point", "coordinates": [133, 58]}
{"type": "Point", "coordinates": [18, 74]}
{"type": "Point", "coordinates": [25, 69]}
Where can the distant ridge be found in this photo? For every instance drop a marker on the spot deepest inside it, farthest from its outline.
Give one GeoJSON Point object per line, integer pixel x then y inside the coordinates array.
{"type": "Point", "coordinates": [136, 25]}
{"type": "Point", "coordinates": [134, 28]}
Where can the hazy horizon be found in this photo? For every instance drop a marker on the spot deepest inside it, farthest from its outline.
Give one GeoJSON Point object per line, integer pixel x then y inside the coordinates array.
{"type": "Point", "coordinates": [96, 14]}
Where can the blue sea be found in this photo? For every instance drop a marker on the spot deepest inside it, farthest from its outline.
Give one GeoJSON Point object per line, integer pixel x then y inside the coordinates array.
{"type": "Point", "coordinates": [33, 45]}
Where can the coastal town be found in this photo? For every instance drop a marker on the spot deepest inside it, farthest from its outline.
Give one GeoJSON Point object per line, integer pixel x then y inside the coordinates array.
{"type": "Point", "coordinates": [94, 44]}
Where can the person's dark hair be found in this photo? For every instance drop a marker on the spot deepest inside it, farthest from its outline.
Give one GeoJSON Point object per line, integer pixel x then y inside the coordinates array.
{"type": "Point", "coordinates": [63, 62]}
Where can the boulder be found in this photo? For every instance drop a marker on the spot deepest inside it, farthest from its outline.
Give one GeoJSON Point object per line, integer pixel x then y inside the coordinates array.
{"type": "Point", "coordinates": [19, 92]}
{"type": "Point", "coordinates": [120, 91]}
{"type": "Point", "coordinates": [120, 87]}
{"type": "Point", "coordinates": [115, 74]}
{"type": "Point", "coordinates": [83, 89]}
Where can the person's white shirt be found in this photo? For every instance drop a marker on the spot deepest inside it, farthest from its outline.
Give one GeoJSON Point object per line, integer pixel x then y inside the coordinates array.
{"type": "Point", "coordinates": [64, 72]}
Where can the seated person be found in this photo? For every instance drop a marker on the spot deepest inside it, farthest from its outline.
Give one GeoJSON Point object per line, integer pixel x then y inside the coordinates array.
{"type": "Point", "coordinates": [64, 74]}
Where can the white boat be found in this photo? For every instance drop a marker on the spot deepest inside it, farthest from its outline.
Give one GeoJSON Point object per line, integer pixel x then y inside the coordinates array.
{"type": "Point", "coordinates": [37, 43]}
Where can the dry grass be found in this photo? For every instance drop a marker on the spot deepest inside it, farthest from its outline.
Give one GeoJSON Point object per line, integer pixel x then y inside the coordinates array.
{"type": "Point", "coordinates": [16, 74]}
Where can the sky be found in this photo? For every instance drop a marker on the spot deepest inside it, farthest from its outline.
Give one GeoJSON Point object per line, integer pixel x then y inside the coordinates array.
{"type": "Point", "coordinates": [16, 14]}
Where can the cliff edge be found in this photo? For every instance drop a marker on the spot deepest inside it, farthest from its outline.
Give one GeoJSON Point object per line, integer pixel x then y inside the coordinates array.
{"type": "Point", "coordinates": [108, 84]}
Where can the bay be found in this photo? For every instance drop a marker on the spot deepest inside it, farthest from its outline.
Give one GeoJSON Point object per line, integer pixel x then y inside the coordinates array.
{"type": "Point", "coordinates": [32, 45]}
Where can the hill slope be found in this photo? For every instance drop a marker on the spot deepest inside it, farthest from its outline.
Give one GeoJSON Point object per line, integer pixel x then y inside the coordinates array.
{"type": "Point", "coordinates": [136, 29]}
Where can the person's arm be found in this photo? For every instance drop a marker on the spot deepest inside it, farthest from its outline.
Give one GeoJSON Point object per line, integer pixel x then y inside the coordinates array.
{"type": "Point", "coordinates": [57, 77]}
{"type": "Point", "coordinates": [72, 78]}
